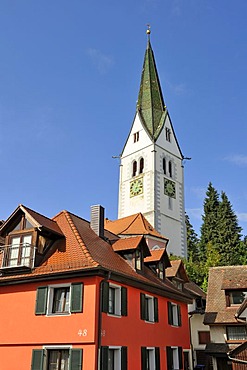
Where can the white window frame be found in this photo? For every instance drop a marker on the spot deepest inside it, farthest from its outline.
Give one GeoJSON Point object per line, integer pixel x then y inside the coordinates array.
{"type": "Point", "coordinates": [117, 299]}
{"type": "Point", "coordinates": [51, 348]}
{"type": "Point", "coordinates": [117, 356]}
{"type": "Point", "coordinates": [151, 357]}
{"type": "Point", "coordinates": [50, 299]}
{"type": "Point", "coordinates": [150, 302]}
{"type": "Point", "coordinates": [175, 358]}
{"type": "Point", "coordinates": [174, 314]}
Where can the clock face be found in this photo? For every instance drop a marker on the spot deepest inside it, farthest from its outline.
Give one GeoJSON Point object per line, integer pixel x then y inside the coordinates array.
{"type": "Point", "coordinates": [170, 188]}
{"type": "Point", "coordinates": [136, 187]}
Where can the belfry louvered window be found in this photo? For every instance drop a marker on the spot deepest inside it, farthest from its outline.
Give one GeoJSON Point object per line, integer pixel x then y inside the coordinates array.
{"type": "Point", "coordinates": [134, 168]}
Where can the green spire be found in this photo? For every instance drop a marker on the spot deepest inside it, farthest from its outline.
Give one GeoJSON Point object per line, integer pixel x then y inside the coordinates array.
{"type": "Point", "coordinates": [150, 103]}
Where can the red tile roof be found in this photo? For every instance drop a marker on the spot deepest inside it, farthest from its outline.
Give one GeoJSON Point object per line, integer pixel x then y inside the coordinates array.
{"type": "Point", "coordinates": [220, 279]}
{"type": "Point", "coordinates": [177, 269]}
{"type": "Point", "coordinates": [135, 224]}
{"type": "Point", "coordinates": [82, 250]}
{"type": "Point", "coordinates": [156, 255]}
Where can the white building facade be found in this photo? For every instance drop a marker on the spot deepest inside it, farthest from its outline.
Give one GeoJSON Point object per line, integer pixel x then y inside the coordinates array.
{"type": "Point", "coordinates": [151, 171]}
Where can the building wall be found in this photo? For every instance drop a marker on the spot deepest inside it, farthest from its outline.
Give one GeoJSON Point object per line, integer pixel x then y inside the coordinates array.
{"type": "Point", "coordinates": [218, 334]}
{"type": "Point", "coordinates": [22, 330]}
{"type": "Point", "coordinates": [135, 333]}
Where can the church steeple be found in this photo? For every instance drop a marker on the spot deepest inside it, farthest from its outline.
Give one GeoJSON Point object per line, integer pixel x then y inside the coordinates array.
{"type": "Point", "coordinates": [151, 177]}
{"type": "Point", "coordinates": [150, 103]}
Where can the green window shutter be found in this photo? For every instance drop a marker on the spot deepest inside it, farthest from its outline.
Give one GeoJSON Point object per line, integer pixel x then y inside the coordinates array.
{"type": "Point", "coordinates": [76, 297]}
{"type": "Point", "coordinates": [180, 357]}
{"type": "Point", "coordinates": [144, 358]}
{"type": "Point", "coordinates": [169, 306]}
{"type": "Point", "coordinates": [156, 311]}
{"type": "Point", "coordinates": [142, 306]}
{"type": "Point", "coordinates": [124, 358]}
{"type": "Point", "coordinates": [169, 358]}
{"type": "Point", "coordinates": [124, 301]}
{"type": "Point", "coordinates": [75, 361]}
{"type": "Point", "coordinates": [37, 359]}
{"type": "Point", "coordinates": [179, 315]}
{"type": "Point", "coordinates": [41, 300]}
{"type": "Point", "coordinates": [104, 358]}
{"type": "Point", "coordinates": [157, 358]}
{"type": "Point", "coordinates": [104, 296]}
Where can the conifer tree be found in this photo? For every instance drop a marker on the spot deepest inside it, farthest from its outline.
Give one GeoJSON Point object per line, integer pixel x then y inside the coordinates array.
{"type": "Point", "coordinates": [209, 228]}
{"type": "Point", "coordinates": [229, 233]}
{"type": "Point", "coordinates": [192, 241]}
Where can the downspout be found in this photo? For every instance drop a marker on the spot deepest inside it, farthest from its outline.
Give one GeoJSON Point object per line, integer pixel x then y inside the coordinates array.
{"type": "Point", "coordinates": [191, 345]}
{"type": "Point", "coordinates": [100, 319]}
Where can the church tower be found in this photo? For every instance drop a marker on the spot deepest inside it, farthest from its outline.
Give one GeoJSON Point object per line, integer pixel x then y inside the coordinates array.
{"type": "Point", "coordinates": [151, 170]}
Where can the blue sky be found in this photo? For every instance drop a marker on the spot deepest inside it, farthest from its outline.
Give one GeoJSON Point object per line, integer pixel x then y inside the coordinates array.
{"type": "Point", "coordinates": [69, 79]}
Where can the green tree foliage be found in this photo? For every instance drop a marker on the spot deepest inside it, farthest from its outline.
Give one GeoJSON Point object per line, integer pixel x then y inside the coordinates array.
{"type": "Point", "coordinates": [192, 241]}
{"type": "Point", "coordinates": [209, 228]}
{"type": "Point", "coordinates": [220, 242]}
{"type": "Point", "coordinates": [229, 234]}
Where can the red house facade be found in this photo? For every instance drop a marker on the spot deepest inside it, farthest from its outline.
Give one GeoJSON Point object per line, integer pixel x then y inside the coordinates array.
{"type": "Point", "coordinates": [73, 296]}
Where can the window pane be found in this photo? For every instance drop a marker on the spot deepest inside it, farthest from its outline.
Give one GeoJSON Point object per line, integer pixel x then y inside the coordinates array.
{"type": "Point", "coordinates": [111, 360]}
{"type": "Point", "coordinates": [14, 251]}
{"type": "Point", "coordinates": [236, 333]}
{"type": "Point", "coordinates": [111, 300]}
{"type": "Point", "coordinates": [237, 297]}
{"type": "Point", "coordinates": [58, 360]}
{"type": "Point", "coordinates": [61, 300]}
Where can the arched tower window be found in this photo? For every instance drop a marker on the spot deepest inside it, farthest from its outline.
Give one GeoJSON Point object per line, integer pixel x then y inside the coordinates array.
{"type": "Point", "coordinates": [134, 168]}
{"type": "Point", "coordinates": [170, 168]}
{"type": "Point", "coordinates": [164, 166]}
{"type": "Point", "coordinates": [141, 165]}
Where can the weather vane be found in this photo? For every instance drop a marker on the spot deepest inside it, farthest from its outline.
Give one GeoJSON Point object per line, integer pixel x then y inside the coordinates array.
{"type": "Point", "coordinates": [149, 29]}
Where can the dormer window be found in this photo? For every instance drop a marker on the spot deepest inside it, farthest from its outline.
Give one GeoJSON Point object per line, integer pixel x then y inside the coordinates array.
{"type": "Point", "coordinates": [135, 259]}
{"type": "Point", "coordinates": [159, 269]}
{"type": "Point", "coordinates": [19, 249]}
{"type": "Point", "coordinates": [236, 297]}
{"type": "Point", "coordinates": [19, 252]}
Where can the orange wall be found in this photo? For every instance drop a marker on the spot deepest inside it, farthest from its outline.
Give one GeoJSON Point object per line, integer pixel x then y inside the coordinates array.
{"type": "Point", "coordinates": [21, 325]}
{"type": "Point", "coordinates": [19, 357]}
{"type": "Point", "coordinates": [21, 330]}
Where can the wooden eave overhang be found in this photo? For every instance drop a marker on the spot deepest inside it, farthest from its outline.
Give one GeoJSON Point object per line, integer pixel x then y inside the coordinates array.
{"type": "Point", "coordinates": [100, 272]}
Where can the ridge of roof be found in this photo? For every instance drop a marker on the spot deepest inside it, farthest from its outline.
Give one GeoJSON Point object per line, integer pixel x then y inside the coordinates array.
{"type": "Point", "coordinates": [122, 225]}
{"type": "Point", "coordinates": [79, 238]}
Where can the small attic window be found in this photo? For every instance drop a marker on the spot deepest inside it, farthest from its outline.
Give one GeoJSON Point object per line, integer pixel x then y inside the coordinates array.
{"type": "Point", "coordinates": [23, 224]}
{"type": "Point", "coordinates": [168, 134]}
{"type": "Point", "coordinates": [136, 136]}
{"type": "Point", "coordinates": [135, 259]}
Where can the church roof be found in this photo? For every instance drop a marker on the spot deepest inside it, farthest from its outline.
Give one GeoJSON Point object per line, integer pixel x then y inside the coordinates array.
{"type": "Point", "coordinates": [150, 103]}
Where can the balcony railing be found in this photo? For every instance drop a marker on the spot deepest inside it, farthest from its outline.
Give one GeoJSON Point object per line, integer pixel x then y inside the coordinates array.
{"type": "Point", "coordinates": [18, 255]}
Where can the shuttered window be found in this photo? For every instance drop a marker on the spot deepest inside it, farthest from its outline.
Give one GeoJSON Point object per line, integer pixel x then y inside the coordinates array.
{"type": "Point", "coordinates": [57, 300]}
{"type": "Point", "coordinates": [114, 299]}
{"type": "Point", "coordinates": [64, 359]}
{"type": "Point", "coordinates": [174, 314]}
{"type": "Point", "coordinates": [112, 358]}
{"type": "Point", "coordinates": [149, 308]}
{"type": "Point", "coordinates": [150, 358]}
{"type": "Point", "coordinates": [174, 356]}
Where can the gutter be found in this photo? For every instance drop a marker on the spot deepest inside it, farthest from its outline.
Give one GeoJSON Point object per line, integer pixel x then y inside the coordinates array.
{"type": "Point", "coordinates": [236, 360]}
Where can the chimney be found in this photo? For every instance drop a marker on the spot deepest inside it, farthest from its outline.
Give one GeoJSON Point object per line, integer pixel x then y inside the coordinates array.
{"type": "Point", "coordinates": [97, 219]}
